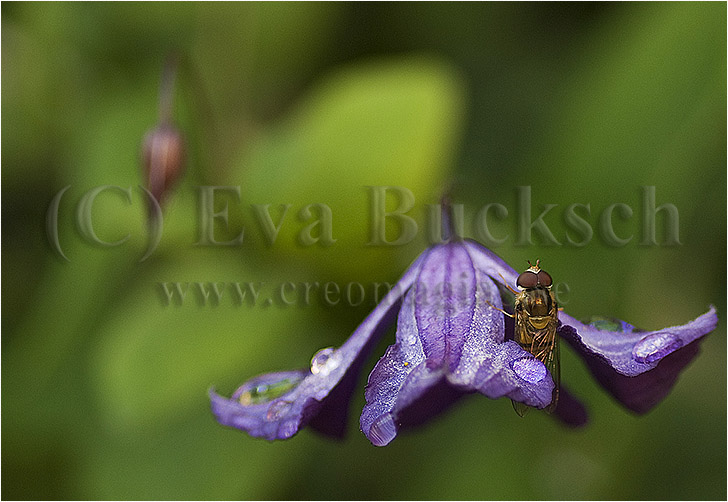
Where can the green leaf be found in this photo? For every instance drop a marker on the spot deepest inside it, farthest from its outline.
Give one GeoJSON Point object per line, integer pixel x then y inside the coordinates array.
{"type": "Point", "coordinates": [391, 122]}
{"type": "Point", "coordinates": [161, 353]}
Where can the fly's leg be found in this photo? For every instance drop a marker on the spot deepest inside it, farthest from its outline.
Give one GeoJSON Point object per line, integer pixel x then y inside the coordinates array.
{"type": "Point", "coordinates": [505, 283]}
{"type": "Point", "coordinates": [500, 310]}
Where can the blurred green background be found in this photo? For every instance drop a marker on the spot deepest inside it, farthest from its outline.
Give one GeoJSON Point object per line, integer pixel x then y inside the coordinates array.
{"type": "Point", "coordinates": [104, 386]}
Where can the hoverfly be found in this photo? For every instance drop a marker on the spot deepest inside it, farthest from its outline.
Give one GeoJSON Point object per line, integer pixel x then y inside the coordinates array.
{"type": "Point", "coordinates": [536, 316]}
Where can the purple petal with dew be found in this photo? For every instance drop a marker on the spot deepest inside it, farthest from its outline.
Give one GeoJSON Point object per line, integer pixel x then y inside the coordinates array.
{"type": "Point", "coordinates": [389, 375]}
{"type": "Point", "coordinates": [322, 395]}
{"type": "Point", "coordinates": [447, 334]}
{"type": "Point", "coordinates": [630, 351]}
{"type": "Point", "coordinates": [637, 367]}
{"type": "Point", "coordinates": [445, 304]}
{"type": "Point", "coordinates": [261, 413]}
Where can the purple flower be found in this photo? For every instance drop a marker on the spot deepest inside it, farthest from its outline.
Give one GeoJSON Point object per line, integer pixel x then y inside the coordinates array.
{"type": "Point", "coordinates": [452, 340]}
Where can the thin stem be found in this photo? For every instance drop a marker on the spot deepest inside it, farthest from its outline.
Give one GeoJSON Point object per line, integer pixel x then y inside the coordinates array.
{"type": "Point", "coordinates": [452, 218]}
{"type": "Point", "coordinates": [166, 92]}
{"type": "Point", "coordinates": [446, 217]}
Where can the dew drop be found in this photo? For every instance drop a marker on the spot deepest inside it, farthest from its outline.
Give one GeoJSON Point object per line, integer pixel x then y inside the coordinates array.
{"type": "Point", "coordinates": [276, 410]}
{"type": "Point", "coordinates": [655, 346]}
{"type": "Point", "coordinates": [268, 387]}
{"type": "Point", "coordinates": [324, 361]}
{"type": "Point", "coordinates": [382, 431]}
{"type": "Point", "coordinates": [530, 369]}
{"type": "Point", "coordinates": [288, 429]}
{"type": "Point", "coordinates": [605, 323]}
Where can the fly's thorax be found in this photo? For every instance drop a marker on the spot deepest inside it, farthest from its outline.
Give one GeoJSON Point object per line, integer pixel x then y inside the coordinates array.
{"type": "Point", "coordinates": [538, 302]}
{"type": "Point", "coordinates": [536, 311]}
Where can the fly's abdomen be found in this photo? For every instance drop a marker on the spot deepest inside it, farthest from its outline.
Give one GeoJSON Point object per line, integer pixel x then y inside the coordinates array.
{"type": "Point", "coordinates": [538, 343]}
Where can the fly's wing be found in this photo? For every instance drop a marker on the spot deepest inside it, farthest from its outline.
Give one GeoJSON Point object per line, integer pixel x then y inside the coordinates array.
{"type": "Point", "coordinates": [550, 358]}
{"type": "Point", "coordinates": [521, 337]}
{"type": "Point", "coordinates": [552, 361]}
{"type": "Point", "coordinates": [520, 408]}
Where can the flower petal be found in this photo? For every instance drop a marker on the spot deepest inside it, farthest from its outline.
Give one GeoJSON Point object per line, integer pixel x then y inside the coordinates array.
{"type": "Point", "coordinates": [389, 375]}
{"type": "Point", "coordinates": [569, 410]}
{"type": "Point", "coordinates": [447, 334]}
{"type": "Point", "coordinates": [322, 396]}
{"type": "Point", "coordinates": [490, 263]}
{"type": "Point", "coordinates": [262, 415]}
{"type": "Point", "coordinates": [637, 367]}
{"type": "Point", "coordinates": [631, 351]}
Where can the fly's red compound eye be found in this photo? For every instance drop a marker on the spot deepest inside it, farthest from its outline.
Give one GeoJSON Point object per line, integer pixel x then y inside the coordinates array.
{"type": "Point", "coordinates": [527, 280]}
{"type": "Point", "coordinates": [544, 279]}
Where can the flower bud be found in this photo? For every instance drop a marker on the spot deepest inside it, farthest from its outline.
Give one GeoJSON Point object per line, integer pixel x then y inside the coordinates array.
{"type": "Point", "coordinates": [163, 159]}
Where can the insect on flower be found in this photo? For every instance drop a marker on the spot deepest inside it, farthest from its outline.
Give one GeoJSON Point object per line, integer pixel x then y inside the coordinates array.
{"type": "Point", "coordinates": [536, 315]}
{"type": "Point", "coordinates": [451, 341]}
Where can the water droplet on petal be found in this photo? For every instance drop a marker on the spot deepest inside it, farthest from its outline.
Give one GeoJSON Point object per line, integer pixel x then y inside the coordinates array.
{"type": "Point", "coordinates": [324, 361]}
{"type": "Point", "coordinates": [605, 323]}
{"type": "Point", "coordinates": [277, 409]}
{"type": "Point", "coordinates": [530, 369]}
{"type": "Point", "coordinates": [655, 346]}
{"type": "Point", "coordinates": [382, 431]}
{"type": "Point", "coordinates": [288, 429]}
{"type": "Point", "coordinates": [266, 388]}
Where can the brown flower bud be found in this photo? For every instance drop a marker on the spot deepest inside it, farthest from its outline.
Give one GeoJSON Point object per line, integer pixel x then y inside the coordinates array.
{"type": "Point", "coordinates": [163, 158]}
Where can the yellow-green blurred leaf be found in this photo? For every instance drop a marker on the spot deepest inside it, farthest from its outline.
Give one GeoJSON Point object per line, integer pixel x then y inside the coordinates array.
{"type": "Point", "coordinates": [393, 122]}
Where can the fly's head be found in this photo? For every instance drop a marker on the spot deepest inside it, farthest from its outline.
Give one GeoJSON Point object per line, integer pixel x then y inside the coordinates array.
{"type": "Point", "coordinates": [535, 290]}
